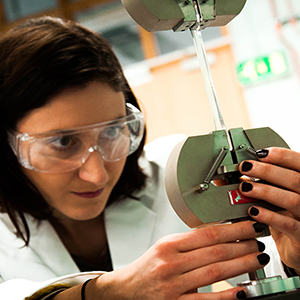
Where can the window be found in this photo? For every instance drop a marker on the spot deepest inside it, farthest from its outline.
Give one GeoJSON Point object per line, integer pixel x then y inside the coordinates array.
{"type": "Point", "coordinates": [15, 9]}
{"type": "Point", "coordinates": [113, 21]}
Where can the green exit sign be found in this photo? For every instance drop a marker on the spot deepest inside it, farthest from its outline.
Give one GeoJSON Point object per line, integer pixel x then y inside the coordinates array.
{"type": "Point", "coordinates": [262, 68]}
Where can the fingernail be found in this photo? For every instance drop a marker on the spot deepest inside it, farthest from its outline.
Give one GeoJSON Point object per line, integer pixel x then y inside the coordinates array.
{"type": "Point", "coordinates": [241, 295]}
{"type": "Point", "coordinates": [246, 166]}
{"type": "Point", "coordinates": [246, 186]}
{"type": "Point", "coordinates": [259, 227]}
{"type": "Point", "coordinates": [262, 153]}
{"type": "Point", "coordinates": [261, 246]}
{"type": "Point", "coordinates": [263, 258]}
{"type": "Point", "coordinates": [254, 211]}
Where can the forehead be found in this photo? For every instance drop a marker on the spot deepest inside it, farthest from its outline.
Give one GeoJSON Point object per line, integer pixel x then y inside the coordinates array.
{"type": "Point", "coordinates": [74, 107]}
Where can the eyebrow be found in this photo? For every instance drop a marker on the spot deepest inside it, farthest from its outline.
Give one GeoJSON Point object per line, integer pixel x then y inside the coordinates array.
{"type": "Point", "coordinates": [75, 129]}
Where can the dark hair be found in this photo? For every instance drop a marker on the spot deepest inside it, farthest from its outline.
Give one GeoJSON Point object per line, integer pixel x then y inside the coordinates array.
{"type": "Point", "coordinates": [39, 59]}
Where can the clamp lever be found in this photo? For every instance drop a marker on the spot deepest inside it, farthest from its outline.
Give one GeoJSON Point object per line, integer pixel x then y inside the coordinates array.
{"type": "Point", "coordinates": [205, 185]}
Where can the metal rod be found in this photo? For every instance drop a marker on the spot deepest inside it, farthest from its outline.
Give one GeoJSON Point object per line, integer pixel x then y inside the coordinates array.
{"type": "Point", "coordinates": [251, 151]}
{"type": "Point", "coordinates": [216, 165]}
{"type": "Point", "coordinates": [257, 275]}
{"type": "Point", "coordinates": [205, 184]}
{"type": "Point", "coordinates": [208, 81]}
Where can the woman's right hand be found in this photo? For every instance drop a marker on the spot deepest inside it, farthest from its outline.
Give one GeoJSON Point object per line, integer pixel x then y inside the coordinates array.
{"type": "Point", "coordinates": [176, 265]}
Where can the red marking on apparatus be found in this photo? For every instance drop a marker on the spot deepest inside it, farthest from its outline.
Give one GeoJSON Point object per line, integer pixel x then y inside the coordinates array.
{"type": "Point", "coordinates": [236, 197]}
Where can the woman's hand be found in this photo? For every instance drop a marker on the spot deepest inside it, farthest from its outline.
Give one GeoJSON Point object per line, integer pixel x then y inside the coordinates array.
{"type": "Point", "coordinates": [280, 167]}
{"type": "Point", "coordinates": [177, 265]}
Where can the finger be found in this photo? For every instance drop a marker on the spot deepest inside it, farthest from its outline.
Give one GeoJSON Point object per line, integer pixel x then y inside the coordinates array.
{"type": "Point", "coordinates": [213, 235]}
{"type": "Point", "coordinates": [231, 294]}
{"type": "Point", "coordinates": [224, 270]}
{"type": "Point", "coordinates": [283, 198]}
{"type": "Point", "coordinates": [280, 156]}
{"type": "Point", "coordinates": [282, 223]}
{"type": "Point", "coordinates": [276, 175]}
{"type": "Point", "coordinates": [217, 253]}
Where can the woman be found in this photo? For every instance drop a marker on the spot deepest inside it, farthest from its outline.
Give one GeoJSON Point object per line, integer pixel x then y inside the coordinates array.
{"type": "Point", "coordinates": [78, 192]}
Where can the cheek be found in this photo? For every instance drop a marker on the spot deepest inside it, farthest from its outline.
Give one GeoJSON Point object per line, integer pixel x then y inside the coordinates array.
{"type": "Point", "coordinates": [51, 186]}
{"type": "Point", "coordinates": [116, 168]}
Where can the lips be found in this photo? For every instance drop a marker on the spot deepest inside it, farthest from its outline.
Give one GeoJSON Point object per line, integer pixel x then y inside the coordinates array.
{"type": "Point", "coordinates": [89, 194]}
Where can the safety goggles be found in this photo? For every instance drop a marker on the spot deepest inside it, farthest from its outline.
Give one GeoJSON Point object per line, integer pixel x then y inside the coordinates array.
{"type": "Point", "coordinates": [66, 150]}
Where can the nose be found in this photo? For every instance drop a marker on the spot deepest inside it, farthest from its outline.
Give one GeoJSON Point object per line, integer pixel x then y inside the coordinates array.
{"type": "Point", "coordinates": [93, 169]}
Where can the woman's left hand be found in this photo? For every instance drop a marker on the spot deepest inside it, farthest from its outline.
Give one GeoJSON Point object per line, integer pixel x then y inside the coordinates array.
{"type": "Point", "coordinates": [280, 167]}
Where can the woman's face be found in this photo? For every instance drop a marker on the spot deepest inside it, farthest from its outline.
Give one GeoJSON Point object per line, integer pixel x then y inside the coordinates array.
{"type": "Point", "coordinates": [80, 194]}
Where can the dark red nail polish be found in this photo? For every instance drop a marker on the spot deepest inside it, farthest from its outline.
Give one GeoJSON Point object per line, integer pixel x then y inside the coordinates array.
{"type": "Point", "coordinates": [241, 295]}
{"type": "Point", "coordinates": [259, 227]}
{"type": "Point", "coordinates": [262, 153]}
{"type": "Point", "coordinates": [246, 166]}
{"type": "Point", "coordinates": [246, 186]}
{"type": "Point", "coordinates": [254, 211]}
{"type": "Point", "coordinates": [263, 258]}
{"type": "Point", "coordinates": [261, 246]}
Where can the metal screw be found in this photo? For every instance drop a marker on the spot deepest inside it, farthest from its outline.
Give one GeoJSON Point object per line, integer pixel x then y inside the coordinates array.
{"type": "Point", "coordinates": [201, 188]}
{"type": "Point", "coordinates": [251, 151]}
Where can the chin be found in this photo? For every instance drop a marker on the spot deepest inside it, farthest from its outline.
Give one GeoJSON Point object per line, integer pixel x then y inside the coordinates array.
{"type": "Point", "coordinates": [80, 214]}
{"type": "Point", "coordinates": [93, 214]}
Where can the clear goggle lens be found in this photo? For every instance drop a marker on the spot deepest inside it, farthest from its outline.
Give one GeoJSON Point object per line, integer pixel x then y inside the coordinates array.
{"type": "Point", "coordinates": [66, 150]}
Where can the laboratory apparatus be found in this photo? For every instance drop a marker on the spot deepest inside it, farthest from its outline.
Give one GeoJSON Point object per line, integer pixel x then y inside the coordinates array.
{"type": "Point", "coordinates": [202, 176]}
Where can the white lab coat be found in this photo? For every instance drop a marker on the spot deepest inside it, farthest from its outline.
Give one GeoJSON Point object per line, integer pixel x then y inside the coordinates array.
{"type": "Point", "coordinates": [132, 227]}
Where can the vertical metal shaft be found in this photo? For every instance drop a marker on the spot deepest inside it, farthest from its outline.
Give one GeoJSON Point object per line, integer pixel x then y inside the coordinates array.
{"type": "Point", "coordinates": [257, 275]}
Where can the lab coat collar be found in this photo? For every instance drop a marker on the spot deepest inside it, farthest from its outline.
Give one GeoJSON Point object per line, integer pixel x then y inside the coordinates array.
{"type": "Point", "coordinates": [53, 254]}
{"type": "Point", "coordinates": [125, 227]}
{"type": "Point", "coordinates": [125, 223]}
{"type": "Point", "coordinates": [46, 256]}
{"type": "Point", "coordinates": [130, 223]}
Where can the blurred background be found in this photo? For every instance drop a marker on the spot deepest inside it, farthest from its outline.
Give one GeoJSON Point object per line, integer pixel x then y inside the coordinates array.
{"type": "Point", "coordinates": [255, 64]}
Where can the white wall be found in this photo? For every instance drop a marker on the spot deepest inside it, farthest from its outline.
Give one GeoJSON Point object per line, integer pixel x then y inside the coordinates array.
{"type": "Point", "coordinates": [275, 103]}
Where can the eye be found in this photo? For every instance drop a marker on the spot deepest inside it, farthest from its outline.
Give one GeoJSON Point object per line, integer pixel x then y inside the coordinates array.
{"type": "Point", "coordinates": [60, 146]}
{"type": "Point", "coordinates": [62, 142]}
{"type": "Point", "coordinates": [110, 133]}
